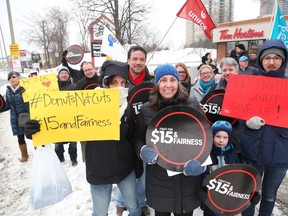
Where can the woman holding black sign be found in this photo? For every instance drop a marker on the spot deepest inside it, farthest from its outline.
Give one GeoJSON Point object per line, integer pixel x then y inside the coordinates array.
{"type": "Point", "coordinates": [179, 194]}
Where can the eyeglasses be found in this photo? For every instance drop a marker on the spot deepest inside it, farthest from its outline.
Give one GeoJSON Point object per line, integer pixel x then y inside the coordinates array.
{"type": "Point", "coordinates": [181, 72]}
{"type": "Point", "coordinates": [276, 59]}
{"type": "Point", "coordinates": [206, 73]}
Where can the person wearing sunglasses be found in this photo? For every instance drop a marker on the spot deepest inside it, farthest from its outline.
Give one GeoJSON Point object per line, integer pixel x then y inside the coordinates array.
{"type": "Point", "coordinates": [16, 105]}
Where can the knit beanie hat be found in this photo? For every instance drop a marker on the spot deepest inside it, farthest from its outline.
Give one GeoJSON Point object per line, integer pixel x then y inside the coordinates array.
{"type": "Point", "coordinates": [114, 68]}
{"type": "Point", "coordinates": [63, 68]}
{"type": "Point", "coordinates": [241, 46]}
{"type": "Point", "coordinates": [221, 126]}
{"type": "Point", "coordinates": [273, 50]}
{"type": "Point", "coordinates": [165, 69]}
{"type": "Point", "coordinates": [12, 73]}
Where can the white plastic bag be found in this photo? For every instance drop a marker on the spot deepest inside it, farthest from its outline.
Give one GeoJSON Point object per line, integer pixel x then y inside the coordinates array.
{"type": "Point", "coordinates": [48, 183]}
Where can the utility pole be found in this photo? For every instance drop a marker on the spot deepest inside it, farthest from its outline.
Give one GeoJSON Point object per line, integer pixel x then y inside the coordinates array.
{"type": "Point", "coordinates": [10, 22]}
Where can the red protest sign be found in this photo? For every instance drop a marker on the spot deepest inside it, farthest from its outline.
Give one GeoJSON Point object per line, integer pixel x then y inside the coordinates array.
{"type": "Point", "coordinates": [247, 96]}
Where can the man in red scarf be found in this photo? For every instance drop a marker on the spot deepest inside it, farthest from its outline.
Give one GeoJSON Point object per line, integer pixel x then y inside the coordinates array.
{"type": "Point", "coordinates": [138, 72]}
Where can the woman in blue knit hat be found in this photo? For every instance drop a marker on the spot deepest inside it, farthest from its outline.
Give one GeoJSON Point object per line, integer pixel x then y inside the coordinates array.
{"type": "Point", "coordinates": [178, 194]}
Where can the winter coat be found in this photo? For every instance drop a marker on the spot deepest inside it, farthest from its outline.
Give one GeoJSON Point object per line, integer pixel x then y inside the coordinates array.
{"type": "Point", "coordinates": [249, 71]}
{"type": "Point", "coordinates": [187, 85]}
{"type": "Point", "coordinates": [269, 144]}
{"type": "Point", "coordinates": [223, 156]}
{"type": "Point", "coordinates": [110, 161]}
{"type": "Point", "coordinates": [243, 53]}
{"type": "Point", "coordinates": [179, 193]}
{"type": "Point", "coordinates": [85, 81]}
{"type": "Point", "coordinates": [66, 85]}
{"type": "Point", "coordinates": [147, 78]}
{"type": "Point", "coordinates": [16, 105]}
{"type": "Point", "coordinates": [75, 74]}
{"type": "Point", "coordinates": [197, 91]}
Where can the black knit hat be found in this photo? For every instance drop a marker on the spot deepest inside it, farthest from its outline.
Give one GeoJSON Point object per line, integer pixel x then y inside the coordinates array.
{"type": "Point", "coordinates": [241, 46]}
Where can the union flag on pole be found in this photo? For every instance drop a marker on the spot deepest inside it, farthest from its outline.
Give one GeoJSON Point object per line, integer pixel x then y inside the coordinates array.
{"type": "Point", "coordinates": [195, 11]}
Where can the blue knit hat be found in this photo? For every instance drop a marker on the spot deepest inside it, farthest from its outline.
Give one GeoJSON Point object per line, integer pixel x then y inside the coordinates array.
{"type": "Point", "coordinates": [221, 126]}
{"type": "Point", "coordinates": [165, 69]}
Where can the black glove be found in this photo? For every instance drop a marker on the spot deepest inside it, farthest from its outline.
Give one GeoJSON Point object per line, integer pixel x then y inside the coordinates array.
{"type": "Point", "coordinates": [64, 53]}
{"type": "Point", "coordinates": [31, 127]}
{"type": "Point", "coordinates": [255, 198]}
{"type": "Point", "coordinates": [204, 188]}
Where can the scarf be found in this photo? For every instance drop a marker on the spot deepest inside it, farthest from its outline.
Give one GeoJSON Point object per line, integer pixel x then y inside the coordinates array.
{"type": "Point", "coordinates": [206, 86]}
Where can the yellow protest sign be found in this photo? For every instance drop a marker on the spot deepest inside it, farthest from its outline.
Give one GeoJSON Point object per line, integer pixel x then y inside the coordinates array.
{"type": "Point", "coordinates": [76, 115]}
{"type": "Point", "coordinates": [45, 82]}
{"type": "Point", "coordinates": [14, 50]}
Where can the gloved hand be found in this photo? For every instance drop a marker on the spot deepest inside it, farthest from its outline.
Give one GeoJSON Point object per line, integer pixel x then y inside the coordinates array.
{"type": "Point", "coordinates": [255, 198]}
{"type": "Point", "coordinates": [148, 155]}
{"type": "Point", "coordinates": [193, 168]}
{"type": "Point", "coordinates": [64, 53]}
{"type": "Point", "coordinates": [31, 127]}
{"type": "Point", "coordinates": [255, 122]}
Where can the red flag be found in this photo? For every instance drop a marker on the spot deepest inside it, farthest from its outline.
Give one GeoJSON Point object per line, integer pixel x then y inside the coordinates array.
{"type": "Point", "coordinates": [195, 11]}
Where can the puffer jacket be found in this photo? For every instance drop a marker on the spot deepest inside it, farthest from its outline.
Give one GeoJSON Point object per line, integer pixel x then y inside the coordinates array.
{"type": "Point", "coordinates": [110, 161]}
{"type": "Point", "coordinates": [179, 193]}
{"type": "Point", "coordinates": [16, 105]}
{"type": "Point", "coordinates": [269, 144]}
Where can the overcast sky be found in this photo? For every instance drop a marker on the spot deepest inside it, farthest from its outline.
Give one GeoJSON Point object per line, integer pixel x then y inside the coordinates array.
{"type": "Point", "coordinates": [162, 16]}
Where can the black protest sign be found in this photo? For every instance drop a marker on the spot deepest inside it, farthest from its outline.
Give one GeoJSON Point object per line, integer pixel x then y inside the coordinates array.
{"type": "Point", "coordinates": [138, 95]}
{"type": "Point", "coordinates": [75, 54]}
{"type": "Point", "coordinates": [231, 188]}
{"type": "Point", "coordinates": [2, 102]}
{"type": "Point", "coordinates": [90, 86]}
{"type": "Point", "coordinates": [211, 105]}
{"type": "Point", "coordinates": [179, 134]}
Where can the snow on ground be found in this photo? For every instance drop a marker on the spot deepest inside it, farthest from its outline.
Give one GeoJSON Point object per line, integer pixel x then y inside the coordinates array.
{"type": "Point", "coordinates": [15, 176]}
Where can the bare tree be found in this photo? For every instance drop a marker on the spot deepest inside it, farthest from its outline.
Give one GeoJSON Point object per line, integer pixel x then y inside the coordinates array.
{"type": "Point", "coordinates": [127, 17]}
{"type": "Point", "coordinates": [48, 31]}
{"type": "Point", "coordinates": [83, 17]}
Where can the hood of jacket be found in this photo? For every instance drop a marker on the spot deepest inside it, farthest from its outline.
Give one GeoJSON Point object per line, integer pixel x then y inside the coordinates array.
{"type": "Point", "coordinates": [276, 43]}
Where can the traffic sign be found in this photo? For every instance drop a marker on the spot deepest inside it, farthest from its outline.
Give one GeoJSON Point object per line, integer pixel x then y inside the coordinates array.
{"type": "Point", "coordinates": [14, 50]}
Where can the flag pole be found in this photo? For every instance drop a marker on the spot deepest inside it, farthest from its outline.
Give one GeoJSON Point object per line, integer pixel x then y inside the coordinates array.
{"type": "Point", "coordinates": [272, 20]}
{"type": "Point", "coordinates": [161, 40]}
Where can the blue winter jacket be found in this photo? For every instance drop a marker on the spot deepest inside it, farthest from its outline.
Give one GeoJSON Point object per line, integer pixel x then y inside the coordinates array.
{"type": "Point", "coordinates": [16, 105]}
{"type": "Point", "coordinates": [269, 144]}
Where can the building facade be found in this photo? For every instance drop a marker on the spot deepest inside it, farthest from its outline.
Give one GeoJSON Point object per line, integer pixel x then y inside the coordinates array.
{"type": "Point", "coordinates": [219, 10]}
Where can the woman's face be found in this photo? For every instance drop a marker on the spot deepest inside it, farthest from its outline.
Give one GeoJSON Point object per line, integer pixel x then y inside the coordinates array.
{"type": "Point", "coordinates": [117, 81]}
{"type": "Point", "coordinates": [182, 73]}
{"type": "Point", "coordinates": [206, 75]}
{"type": "Point", "coordinates": [168, 87]}
{"type": "Point", "coordinates": [14, 81]}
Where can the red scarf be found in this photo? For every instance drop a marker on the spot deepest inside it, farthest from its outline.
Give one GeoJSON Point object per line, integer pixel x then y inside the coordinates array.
{"type": "Point", "coordinates": [138, 80]}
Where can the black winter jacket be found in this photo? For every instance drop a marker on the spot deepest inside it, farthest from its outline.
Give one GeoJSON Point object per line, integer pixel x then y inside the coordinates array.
{"type": "Point", "coordinates": [110, 161]}
{"type": "Point", "coordinates": [179, 193]}
{"type": "Point", "coordinates": [16, 105]}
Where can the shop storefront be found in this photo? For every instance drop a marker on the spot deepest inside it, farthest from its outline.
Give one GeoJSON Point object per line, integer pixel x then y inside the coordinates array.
{"type": "Point", "coordinates": [252, 33]}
